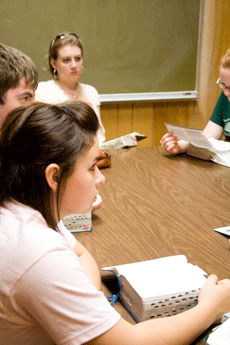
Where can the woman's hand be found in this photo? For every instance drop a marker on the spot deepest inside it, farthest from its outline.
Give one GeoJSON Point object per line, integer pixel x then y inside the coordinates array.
{"type": "Point", "coordinates": [170, 144]}
{"type": "Point", "coordinates": [215, 297]}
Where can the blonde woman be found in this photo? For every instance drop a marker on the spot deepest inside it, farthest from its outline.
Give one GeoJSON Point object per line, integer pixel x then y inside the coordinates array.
{"type": "Point", "coordinates": [65, 62]}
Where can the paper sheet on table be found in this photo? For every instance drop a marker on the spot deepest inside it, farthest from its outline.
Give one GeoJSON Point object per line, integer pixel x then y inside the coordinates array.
{"type": "Point", "coordinates": [127, 140]}
{"type": "Point", "coordinates": [224, 230]}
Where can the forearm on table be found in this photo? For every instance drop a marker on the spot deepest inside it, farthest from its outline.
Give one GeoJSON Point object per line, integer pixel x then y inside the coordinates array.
{"type": "Point", "coordinates": [182, 328]}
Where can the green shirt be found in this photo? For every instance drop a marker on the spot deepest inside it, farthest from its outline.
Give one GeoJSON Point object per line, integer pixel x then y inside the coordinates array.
{"type": "Point", "coordinates": [221, 114]}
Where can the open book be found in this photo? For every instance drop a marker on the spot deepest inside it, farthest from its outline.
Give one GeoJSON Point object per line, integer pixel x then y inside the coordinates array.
{"type": "Point", "coordinates": [127, 140]}
{"type": "Point", "coordinates": [220, 335]}
{"type": "Point", "coordinates": [157, 288]}
{"type": "Point", "coordinates": [217, 151]}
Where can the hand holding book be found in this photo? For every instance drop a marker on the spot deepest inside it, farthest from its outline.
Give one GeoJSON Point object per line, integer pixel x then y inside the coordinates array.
{"type": "Point", "coordinates": [200, 146]}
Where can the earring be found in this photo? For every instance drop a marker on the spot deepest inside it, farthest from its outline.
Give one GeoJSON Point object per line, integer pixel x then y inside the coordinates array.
{"type": "Point", "coordinates": [55, 73]}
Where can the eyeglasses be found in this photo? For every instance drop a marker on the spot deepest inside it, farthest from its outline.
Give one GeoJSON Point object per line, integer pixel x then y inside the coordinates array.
{"type": "Point", "coordinates": [222, 86]}
{"type": "Point", "coordinates": [59, 37]}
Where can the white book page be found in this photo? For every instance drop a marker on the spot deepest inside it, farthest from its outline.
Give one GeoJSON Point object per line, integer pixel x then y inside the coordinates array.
{"type": "Point", "coordinates": [220, 145]}
{"type": "Point", "coordinates": [221, 152]}
{"type": "Point", "coordinates": [163, 276]}
{"type": "Point", "coordinates": [221, 336]}
{"type": "Point", "coordinates": [193, 136]}
{"type": "Point", "coordinates": [137, 267]}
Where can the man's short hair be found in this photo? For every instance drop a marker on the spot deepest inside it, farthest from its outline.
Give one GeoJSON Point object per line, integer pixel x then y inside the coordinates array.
{"type": "Point", "coordinates": [15, 65]}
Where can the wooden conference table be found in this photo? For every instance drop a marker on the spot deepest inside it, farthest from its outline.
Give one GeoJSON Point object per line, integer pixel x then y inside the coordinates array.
{"type": "Point", "coordinates": [157, 205]}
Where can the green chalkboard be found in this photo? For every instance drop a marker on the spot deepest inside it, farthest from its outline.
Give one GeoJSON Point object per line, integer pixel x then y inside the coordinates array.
{"type": "Point", "coordinates": [130, 46]}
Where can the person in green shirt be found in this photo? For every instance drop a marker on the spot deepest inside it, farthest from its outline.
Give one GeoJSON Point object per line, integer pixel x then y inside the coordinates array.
{"type": "Point", "coordinates": [219, 123]}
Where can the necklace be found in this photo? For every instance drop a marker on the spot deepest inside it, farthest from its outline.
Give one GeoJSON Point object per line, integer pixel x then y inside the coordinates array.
{"type": "Point", "coordinates": [73, 93]}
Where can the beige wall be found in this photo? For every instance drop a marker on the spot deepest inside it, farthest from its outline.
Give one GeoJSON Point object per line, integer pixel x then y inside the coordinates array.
{"type": "Point", "coordinates": [149, 118]}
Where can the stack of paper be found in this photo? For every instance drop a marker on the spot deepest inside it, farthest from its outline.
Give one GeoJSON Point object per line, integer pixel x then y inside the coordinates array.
{"type": "Point", "coordinates": [160, 287]}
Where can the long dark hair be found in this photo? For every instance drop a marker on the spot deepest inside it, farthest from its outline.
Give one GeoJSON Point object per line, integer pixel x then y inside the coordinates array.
{"type": "Point", "coordinates": [34, 136]}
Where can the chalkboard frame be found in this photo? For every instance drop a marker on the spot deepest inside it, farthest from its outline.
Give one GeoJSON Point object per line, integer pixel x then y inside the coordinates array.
{"type": "Point", "coordinates": [30, 26]}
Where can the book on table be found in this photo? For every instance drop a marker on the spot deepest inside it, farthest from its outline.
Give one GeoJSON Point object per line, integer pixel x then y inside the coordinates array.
{"type": "Point", "coordinates": [200, 146]}
{"type": "Point", "coordinates": [156, 288]}
{"type": "Point", "coordinates": [78, 222]}
{"type": "Point", "coordinates": [127, 140]}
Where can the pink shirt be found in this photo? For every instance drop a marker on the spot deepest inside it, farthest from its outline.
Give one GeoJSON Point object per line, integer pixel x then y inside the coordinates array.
{"type": "Point", "coordinates": [45, 294]}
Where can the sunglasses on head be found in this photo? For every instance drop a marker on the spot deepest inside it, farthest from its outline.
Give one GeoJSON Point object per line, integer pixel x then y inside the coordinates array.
{"type": "Point", "coordinates": [59, 37]}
